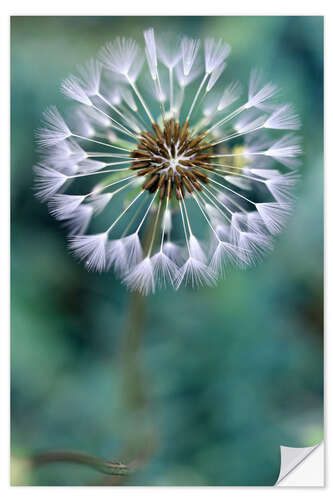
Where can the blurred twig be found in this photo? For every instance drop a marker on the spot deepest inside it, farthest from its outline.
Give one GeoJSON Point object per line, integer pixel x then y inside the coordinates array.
{"type": "Point", "coordinates": [104, 466]}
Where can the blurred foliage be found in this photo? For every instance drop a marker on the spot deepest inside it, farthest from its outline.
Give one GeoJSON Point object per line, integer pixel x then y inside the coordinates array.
{"type": "Point", "coordinates": [231, 373]}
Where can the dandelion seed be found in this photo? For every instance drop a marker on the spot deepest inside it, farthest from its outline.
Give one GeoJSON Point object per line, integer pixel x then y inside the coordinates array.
{"type": "Point", "coordinates": [62, 205]}
{"type": "Point", "coordinates": [78, 220]}
{"type": "Point", "coordinates": [199, 186]}
{"type": "Point", "coordinates": [90, 77]}
{"type": "Point", "coordinates": [190, 50]}
{"type": "Point", "coordinates": [215, 53]}
{"type": "Point", "coordinates": [215, 76]}
{"type": "Point", "coordinates": [169, 52]}
{"type": "Point", "coordinates": [71, 87]}
{"type": "Point", "coordinates": [141, 278]}
{"type": "Point", "coordinates": [151, 52]}
{"type": "Point", "coordinates": [91, 249]}
{"type": "Point", "coordinates": [54, 130]}
{"type": "Point", "coordinates": [259, 93]}
{"type": "Point", "coordinates": [195, 274]}
{"type": "Point", "coordinates": [48, 181]}
{"type": "Point", "coordinates": [284, 118]}
{"type": "Point", "coordinates": [274, 215]}
{"type": "Point", "coordinates": [120, 56]}
{"type": "Point", "coordinates": [165, 270]}
{"type": "Point", "coordinates": [286, 151]}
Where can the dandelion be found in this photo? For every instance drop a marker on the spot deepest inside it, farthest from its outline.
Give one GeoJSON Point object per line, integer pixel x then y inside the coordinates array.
{"type": "Point", "coordinates": [163, 171]}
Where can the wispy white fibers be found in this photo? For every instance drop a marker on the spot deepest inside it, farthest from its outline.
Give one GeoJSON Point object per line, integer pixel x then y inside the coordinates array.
{"type": "Point", "coordinates": [174, 252]}
{"type": "Point", "coordinates": [284, 118]}
{"type": "Point", "coordinates": [165, 270]}
{"type": "Point", "coordinates": [124, 253]}
{"type": "Point", "coordinates": [274, 215]}
{"type": "Point", "coordinates": [151, 52]}
{"type": "Point", "coordinates": [78, 220]}
{"type": "Point", "coordinates": [184, 80]}
{"type": "Point", "coordinates": [259, 92]}
{"type": "Point", "coordinates": [253, 245]}
{"type": "Point", "coordinates": [189, 48]}
{"type": "Point", "coordinates": [62, 205]}
{"type": "Point", "coordinates": [168, 48]}
{"type": "Point", "coordinates": [72, 88]}
{"type": "Point", "coordinates": [215, 75]}
{"type": "Point", "coordinates": [215, 53]}
{"type": "Point", "coordinates": [249, 122]}
{"type": "Point", "coordinates": [48, 181]}
{"type": "Point", "coordinates": [63, 156]}
{"type": "Point", "coordinates": [282, 187]}
{"type": "Point", "coordinates": [165, 173]}
{"type": "Point", "coordinates": [142, 277]}
{"type": "Point", "coordinates": [286, 150]}
{"type": "Point", "coordinates": [195, 273]}
{"type": "Point", "coordinates": [54, 128]}
{"type": "Point", "coordinates": [100, 201]}
{"type": "Point", "coordinates": [91, 249]}
{"type": "Point", "coordinates": [225, 256]}
{"type": "Point", "coordinates": [196, 250]}
{"type": "Point", "coordinates": [231, 94]}
{"type": "Point", "coordinates": [121, 55]}
{"type": "Point", "coordinates": [90, 76]}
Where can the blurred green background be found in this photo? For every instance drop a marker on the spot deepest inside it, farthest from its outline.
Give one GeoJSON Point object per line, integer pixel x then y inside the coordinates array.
{"type": "Point", "coordinates": [230, 373]}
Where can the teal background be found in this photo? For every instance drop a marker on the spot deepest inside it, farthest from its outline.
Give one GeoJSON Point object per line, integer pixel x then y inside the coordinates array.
{"type": "Point", "coordinates": [232, 372]}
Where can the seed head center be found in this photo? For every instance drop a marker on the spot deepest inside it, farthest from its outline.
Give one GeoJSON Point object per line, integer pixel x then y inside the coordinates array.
{"type": "Point", "coordinates": [172, 159]}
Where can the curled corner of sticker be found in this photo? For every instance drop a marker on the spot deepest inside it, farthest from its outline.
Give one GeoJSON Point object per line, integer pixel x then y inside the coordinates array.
{"type": "Point", "coordinates": [291, 458]}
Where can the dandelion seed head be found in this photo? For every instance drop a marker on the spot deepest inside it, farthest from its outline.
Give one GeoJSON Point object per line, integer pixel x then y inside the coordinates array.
{"type": "Point", "coordinates": [164, 172]}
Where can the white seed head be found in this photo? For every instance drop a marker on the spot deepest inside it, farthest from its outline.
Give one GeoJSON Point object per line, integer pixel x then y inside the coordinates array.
{"type": "Point", "coordinates": [183, 183]}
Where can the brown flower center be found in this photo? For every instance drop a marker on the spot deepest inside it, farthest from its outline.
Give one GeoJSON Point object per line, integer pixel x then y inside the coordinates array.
{"type": "Point", "coordinates": [172, 160]}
